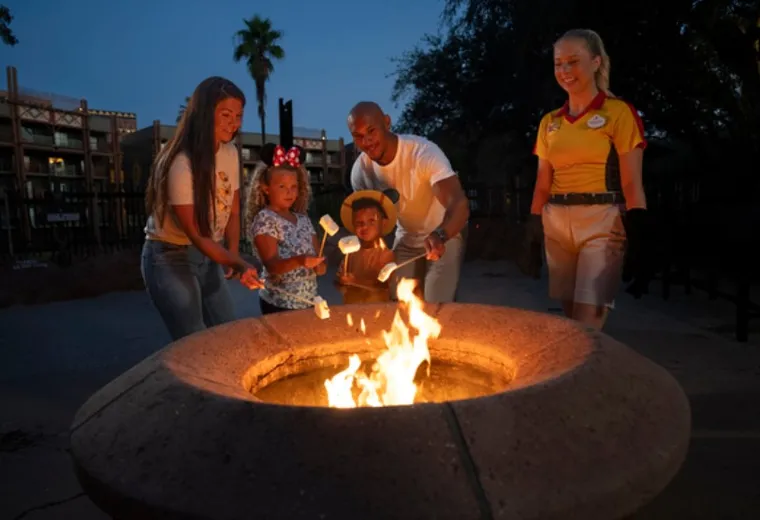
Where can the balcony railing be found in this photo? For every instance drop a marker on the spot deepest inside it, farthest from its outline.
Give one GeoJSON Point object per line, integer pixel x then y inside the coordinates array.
{"type": "Point", "coordinates": [44, 140]}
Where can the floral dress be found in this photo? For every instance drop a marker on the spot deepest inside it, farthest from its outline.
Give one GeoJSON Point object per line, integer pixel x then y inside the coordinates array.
{"type": "Point", "coordinates": [292, 240]}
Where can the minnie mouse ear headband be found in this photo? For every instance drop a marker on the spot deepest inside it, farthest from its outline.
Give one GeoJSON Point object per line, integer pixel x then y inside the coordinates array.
{"type": "Point", "coordinates": [276, 155]}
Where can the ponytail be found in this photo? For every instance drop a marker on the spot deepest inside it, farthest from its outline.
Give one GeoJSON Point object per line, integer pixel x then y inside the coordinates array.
{"type": "Point", "coordinates": [595, 46]}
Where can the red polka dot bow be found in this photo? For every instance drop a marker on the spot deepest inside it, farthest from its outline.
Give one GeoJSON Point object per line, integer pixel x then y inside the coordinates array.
{"type": "Point", "coordinates": [292, 156]}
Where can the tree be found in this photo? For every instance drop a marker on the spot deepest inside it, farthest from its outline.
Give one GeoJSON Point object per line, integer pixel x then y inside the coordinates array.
{"type": "Point", "coordinates": [258, 46]}
{"type": "Point", "coordinates": [182, 108]}
{"type": "Point", "coordinates": [5, 31]}
{"type": "Point", "coordinates": [490, 76]}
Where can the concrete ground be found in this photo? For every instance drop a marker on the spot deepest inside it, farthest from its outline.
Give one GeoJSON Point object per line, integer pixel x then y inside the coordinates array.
{"type": "Point", "coordinates": [52, 357]}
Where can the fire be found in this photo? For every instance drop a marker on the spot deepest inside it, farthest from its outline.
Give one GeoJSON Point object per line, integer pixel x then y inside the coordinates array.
{"type": "Point", "coordinates": [391, 381]}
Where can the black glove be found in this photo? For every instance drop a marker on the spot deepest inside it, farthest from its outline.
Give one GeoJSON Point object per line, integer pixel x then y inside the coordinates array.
{"type": "Point", "coordinates": [638, 266]}
{"type": "Point", "coordinates": [530, 253]}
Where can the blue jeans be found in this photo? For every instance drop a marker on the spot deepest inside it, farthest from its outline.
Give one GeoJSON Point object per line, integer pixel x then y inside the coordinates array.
{"type": "Point", "coordinates": [188, 289]}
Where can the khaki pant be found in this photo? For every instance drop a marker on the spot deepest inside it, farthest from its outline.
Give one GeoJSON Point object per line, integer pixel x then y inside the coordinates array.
{"type": "Point", "coordinates": [585, 247]}
{"type": "Point", "coordinates": [439, 279]}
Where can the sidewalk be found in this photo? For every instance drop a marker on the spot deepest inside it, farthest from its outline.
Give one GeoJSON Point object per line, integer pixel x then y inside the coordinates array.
{"type": "Point", "coordinates": [53, 357]}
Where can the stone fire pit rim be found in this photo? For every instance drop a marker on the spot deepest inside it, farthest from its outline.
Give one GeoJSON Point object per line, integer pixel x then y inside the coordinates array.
{"type": "Point", "coordinates": [131, 439]}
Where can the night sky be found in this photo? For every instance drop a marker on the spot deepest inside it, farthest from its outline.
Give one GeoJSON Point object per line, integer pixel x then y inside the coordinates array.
{"type": "Point", "coordinates": [145, 56]}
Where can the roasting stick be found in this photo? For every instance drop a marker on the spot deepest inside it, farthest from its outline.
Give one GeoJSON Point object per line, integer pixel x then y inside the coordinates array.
{"type": "Point", "coordinates": [320, 305]}
{"type": "Point", "coordinates": [348, 245]}
{"type": "Point", "coordinates": [388, 269]}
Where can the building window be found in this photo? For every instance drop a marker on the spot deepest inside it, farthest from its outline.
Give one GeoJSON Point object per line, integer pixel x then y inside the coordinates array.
{"type": "Point", "coordinates": [61, 139]}
{"type": "Point", "coordinates": [93, 143]}
{"type": "Point", "coordinates": [246, 153]}
{"type": "Point", "coordinates": [312, 157]}
{"type": "Point", "coordinates": [56, 166]}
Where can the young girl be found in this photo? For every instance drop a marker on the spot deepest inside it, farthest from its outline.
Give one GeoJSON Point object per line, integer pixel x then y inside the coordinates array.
{"type": "Point", "coordinates": [281, 232]}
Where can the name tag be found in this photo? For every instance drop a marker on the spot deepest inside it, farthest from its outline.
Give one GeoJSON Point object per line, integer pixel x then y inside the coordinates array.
{"type": "Point", "coordinates": [596, 121]}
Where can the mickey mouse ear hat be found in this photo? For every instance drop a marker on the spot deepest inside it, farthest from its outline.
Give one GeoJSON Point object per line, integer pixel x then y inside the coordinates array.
{"type": "Point", "coordinates": [276, 155]}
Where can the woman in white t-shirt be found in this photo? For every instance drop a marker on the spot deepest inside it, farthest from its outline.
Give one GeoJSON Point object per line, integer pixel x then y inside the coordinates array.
{"type": "Point", "coordinates": [193, 202]}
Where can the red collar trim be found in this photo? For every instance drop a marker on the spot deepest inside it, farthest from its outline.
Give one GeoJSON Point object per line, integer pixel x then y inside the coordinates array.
{"type": "Point", "coordinates": [595, 104]}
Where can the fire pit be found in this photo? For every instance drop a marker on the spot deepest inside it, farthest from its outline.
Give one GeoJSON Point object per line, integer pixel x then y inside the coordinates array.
{"type": "Point", "coordinates": [515, 414]}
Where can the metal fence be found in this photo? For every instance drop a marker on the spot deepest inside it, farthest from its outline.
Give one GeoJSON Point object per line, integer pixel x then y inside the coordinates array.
{"type": "Point", "coordinates": [63, 226]}
{"type": "Point", "coordinates": [700, 244]}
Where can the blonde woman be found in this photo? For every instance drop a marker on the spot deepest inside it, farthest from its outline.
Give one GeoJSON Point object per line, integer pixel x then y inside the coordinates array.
{"type": "Point", "coordinates": [589, 189]}
{"type": "Point", "coordinates": [282, 234]}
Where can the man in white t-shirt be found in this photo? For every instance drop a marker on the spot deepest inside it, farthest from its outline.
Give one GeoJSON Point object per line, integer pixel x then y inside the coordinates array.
{"type": "Point", "coordinates": [432, 208]}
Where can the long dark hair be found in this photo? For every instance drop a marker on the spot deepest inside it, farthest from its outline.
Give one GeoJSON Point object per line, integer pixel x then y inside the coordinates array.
{"type": "Point", "coordinates": [195, 137]}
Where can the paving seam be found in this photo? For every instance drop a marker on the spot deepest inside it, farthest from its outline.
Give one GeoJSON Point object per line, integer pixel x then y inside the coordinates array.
{"type": "Point", "coordinates": [470, 467]}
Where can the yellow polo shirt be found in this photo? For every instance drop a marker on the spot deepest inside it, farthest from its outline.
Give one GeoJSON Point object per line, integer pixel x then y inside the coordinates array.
{"type": "Point", "coordinates": [583, 150]}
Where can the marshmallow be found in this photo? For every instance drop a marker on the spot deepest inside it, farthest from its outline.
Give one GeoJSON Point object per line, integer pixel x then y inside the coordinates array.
{"type": "Point", "coordinates": [329, 225]}
{"type": "Point", "coordinates": [349, 244]}
{"type": "Point", "coordinates": [321, 309]}
{"type": "Point", "coordinates": [386, 271]}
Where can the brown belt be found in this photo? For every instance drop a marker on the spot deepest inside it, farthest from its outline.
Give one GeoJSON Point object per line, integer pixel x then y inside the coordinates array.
{"type": "Point", "coordinates": [587, 199]}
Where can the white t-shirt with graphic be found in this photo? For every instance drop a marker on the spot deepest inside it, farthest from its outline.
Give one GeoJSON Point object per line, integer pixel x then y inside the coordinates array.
{"type": "Point", "coordinates": [180, 193]}
{"type": "Point", "coordinates": [418, 165]}
{"type": "Point", "coordinates": [292, 240]}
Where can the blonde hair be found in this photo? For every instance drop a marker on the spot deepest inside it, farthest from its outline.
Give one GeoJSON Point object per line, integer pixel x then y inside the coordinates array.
{"type": "Point", "coordinates": [595, 46]}
{"type": "Point", "coordinates": [256, 199]}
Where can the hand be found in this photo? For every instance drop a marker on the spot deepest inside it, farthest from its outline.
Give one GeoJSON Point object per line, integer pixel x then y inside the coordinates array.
{"type": "Point", "coordinates": [434, 247]}
{"type": "Point", "coordinates": [345, 278]}
{"type": "Point", "coordinates": [230, 273]}
{"type": "Point", "coordinates": [321, 269]}
{"type": "Point", "coordinates": [310, 262]}
{"type": "Point", "coordinates": [249, 277]}
{"type": "Point", "coordinates": [529, 254]}
{"type": "Point", "coordinates": [638, 267]}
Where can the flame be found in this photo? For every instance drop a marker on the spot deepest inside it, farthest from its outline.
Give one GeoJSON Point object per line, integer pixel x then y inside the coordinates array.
{"type": "Point", "coordinates": [391, 381]}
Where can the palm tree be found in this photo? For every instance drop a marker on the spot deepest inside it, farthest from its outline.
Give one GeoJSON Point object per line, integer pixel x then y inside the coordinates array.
{"type": "Point", "coordinates": [257, 45]}
{"type": "Point", "coordinates": [6, 34]}
{"type": "Point", "coordinates": [182, 108]}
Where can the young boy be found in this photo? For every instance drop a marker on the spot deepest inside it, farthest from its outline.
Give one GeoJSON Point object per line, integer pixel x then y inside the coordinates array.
{"type": "Point", "coordinates": [370, 215]}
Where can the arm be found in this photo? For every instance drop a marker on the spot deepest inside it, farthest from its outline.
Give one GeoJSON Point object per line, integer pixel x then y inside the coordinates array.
{"type": "Point", "coordinates": [232, 231]}
{"type": "Point", "coordinates": [628, 139]}
{"type": "Point", "coordinates": [545, 173]}
{"type": "Point", "coordinates": [543, 187]}
{"type": "Point", "coordinates": [321, 268]}
{"type": "Point", "coordinates": [450, 194]}
{"type": "Point", "coordinates": [631, 179]}
{"type": "Point", "coordinates": [180, 197]}
{"type": "Point", "coordinates": [186, 217]}
{"type": "Point", "coordinates": [267, 247]}
{"type": "Point", "coordinates": [446, 188]}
